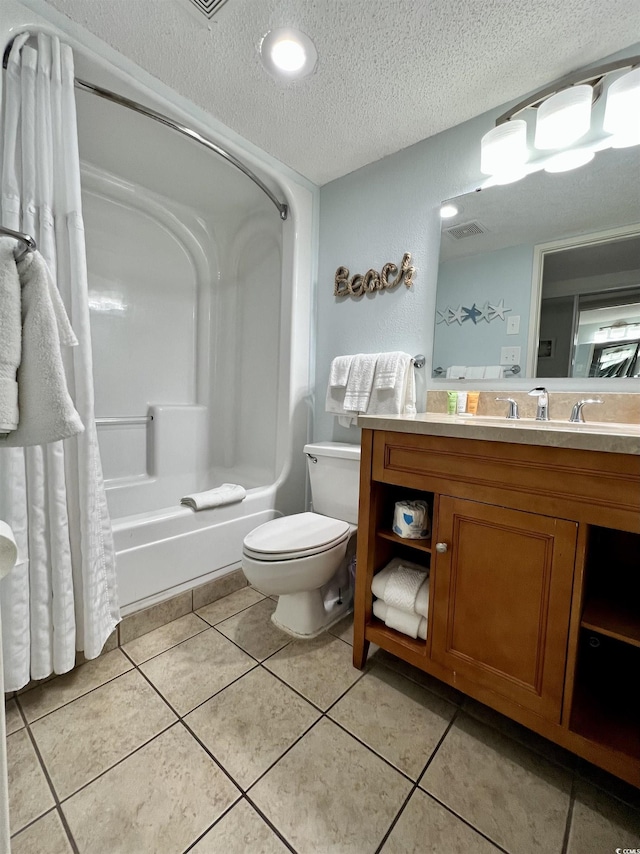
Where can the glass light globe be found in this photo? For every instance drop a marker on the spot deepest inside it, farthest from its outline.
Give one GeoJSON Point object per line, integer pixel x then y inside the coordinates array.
{"type": "Point", "coordinates": [564, 117]}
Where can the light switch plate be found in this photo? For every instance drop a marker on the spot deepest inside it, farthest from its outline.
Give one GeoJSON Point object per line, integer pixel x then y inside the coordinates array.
{"type": "Point", "coordinates": [510, 355]}
{"type": "Point", "coordinates": [513, 324]}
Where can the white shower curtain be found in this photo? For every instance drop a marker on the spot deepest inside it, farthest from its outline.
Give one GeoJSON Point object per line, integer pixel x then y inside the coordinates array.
{"type": "Point", "coordinates": [61, 596]}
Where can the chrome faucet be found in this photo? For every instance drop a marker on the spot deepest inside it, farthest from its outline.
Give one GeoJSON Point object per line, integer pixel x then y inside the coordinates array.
{"type": "Point", "coordinates": [576, 413]}
{"type": "Point", "coordinates": [542, 412]}
{"type": "Point", "coordinates": [513, 407]}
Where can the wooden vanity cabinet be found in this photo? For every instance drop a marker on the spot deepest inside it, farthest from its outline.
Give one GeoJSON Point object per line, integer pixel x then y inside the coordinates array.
{"type": "Point", "coordinates": [533, 550]}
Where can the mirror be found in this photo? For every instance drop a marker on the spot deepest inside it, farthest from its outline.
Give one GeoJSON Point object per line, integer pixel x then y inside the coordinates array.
{"type": "Point", "coordinates": [573, 237]}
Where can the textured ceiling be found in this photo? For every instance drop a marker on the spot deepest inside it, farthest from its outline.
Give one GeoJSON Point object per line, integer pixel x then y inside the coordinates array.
{"type": "Point", "coordinates": [389, 73]}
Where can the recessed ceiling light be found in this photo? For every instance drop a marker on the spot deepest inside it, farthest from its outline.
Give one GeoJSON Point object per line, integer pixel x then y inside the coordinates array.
{"type": "Point", "coordinates": [288, 54]}
{"type": "Point", "coordinates": [447, 211]}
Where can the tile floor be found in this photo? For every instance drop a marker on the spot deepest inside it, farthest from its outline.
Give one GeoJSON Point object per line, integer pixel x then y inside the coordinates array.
{"type": "Point", "coordinates": [218, 733]}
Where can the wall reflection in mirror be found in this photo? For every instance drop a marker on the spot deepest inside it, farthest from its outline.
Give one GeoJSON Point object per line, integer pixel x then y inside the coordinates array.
{"type": "Point", "coordinates": [542, 277]}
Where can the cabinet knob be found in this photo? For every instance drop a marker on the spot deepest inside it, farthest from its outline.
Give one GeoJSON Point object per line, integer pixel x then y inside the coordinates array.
{"type": "Point", "coordinates": [441, 548]}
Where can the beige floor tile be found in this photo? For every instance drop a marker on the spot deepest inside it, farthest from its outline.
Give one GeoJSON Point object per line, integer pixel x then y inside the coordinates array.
{"type": "Point", "coordinates": [158, 801]}
{"type": "Point", "coordinates": [241, 831]}
{"type": "Point", "coordinates": [29, 792]}
{"type": "Point", "coordinates": [254, 632]}
{"type": "Point", "coordinates": [84, 738]}
{"type": "Point", "coordinates": [159, 640]}
{"type": "Point", "coordinates": [381, 656]}
{"type": "Point", "coordinates": [63, 689]}
{"type": "Point", "coordinates": [387, 711]}
{"type": "Point", "coordinates": [221, 609]}
{"type": "Point", "coordinates": [14, 720]}
{"type": "Point", "coordinates": [320, 669]}
{"type": "Point", "coordinates": [519, 733]}
{"type": "Point", "coordinates": [429, 828]}
{"type": "Point", "coordinates": [145, 621]}
{"type": "Point", "coordinates": [251, 723]}
{"type": "Point", "coordinates": [218, 588]}
{"type": "Point", "coordinates": [329, 793]}
{"type": "Point", "coordinates": [45, 835]}
{"type": "Point", "coordinates": [601, 824]}
{"type": "Point", "coordinates": [343, 629]}
{"type": "Point", "coordinates": [193, 671]}
{"type": "Point", "coordinates": [511, 794]}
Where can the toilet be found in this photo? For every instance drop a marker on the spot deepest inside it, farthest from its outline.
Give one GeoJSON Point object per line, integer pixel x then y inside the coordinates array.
{"type": "Point", "coordinates": [296, 557]}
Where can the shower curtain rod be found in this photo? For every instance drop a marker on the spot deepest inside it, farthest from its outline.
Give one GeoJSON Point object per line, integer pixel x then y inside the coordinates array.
{"type": "Point", "coordinates": [108, 95]}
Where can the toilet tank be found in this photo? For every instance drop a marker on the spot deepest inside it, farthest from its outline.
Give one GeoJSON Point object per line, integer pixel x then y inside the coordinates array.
{"type": "Point", "coordinates": [334, 472]}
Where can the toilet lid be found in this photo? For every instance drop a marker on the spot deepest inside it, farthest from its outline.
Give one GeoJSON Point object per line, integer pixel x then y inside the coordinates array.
{"type": "Point", "coordinates": [295, 536]}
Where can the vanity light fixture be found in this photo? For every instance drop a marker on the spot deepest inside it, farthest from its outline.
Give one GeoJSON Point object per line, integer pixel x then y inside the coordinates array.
{"type": "Point", "coordinates": [622, 113]}
{"type": "Point", "coordinates": [288, 54]}
{"type": "Point", "coordinates": [564, 117]}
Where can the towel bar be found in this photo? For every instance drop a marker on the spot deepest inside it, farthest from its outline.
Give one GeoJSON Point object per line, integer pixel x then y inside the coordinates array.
{"type": "Point", "coordinates": [507, 369]}
{"type": "Point", "coordinates": [126, 419]}
{"type": "Point", "coordinates": [29, 243]}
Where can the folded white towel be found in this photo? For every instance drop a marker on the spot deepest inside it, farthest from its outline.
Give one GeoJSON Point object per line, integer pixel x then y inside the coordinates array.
{"type": "Point", "coordinates": [228, 493]}
{"type": "Point", "coordinates": [339, 371]}
{"type": "Point", "coordinates": [379, 584]}
{"type": "Point", "coordinates": [388, 373]}
{"type": "Point", "coordinates": [493, 372]}
{"type": "Point", "coordinates": [47, 413]}
{"type": "Point", "coordinates": [456, 372]}
{"type": "Point", "coordinates": [360, 382]}
{"type": "Point", "coordinates": [409, 624]}
{"type": "Point", "coordinates": [402, 588]}
{"type": "Point", "coordinates": [475, 372]}
{"type": "Point", "coordinates": [10, 335]}
{"type": "Point", "coordinates": [398, 398]}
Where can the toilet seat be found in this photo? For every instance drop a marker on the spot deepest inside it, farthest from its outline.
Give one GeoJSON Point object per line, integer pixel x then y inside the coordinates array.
{"type": "Point", "coordinates": [293, 537]}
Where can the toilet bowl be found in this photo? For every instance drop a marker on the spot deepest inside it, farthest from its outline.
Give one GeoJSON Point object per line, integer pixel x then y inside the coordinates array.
{"type": "Point", "coordinates": [294, 557]}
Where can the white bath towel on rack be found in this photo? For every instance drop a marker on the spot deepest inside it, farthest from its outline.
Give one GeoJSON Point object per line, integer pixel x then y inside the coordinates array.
{"type": "Point", "coordinates": [456, 372]}
{"type": "Point", "coordinates": [398, 398]}
{"type": "Point", "coordinates": [47, 412]}
{"type": "Point", "coordinates": [493, 372]}
{"type": "Point", "coordinates": [475, 372]}
{"type": "Point", "coordinates": [339, 371]}
{"type": "Point", "coordinates": [228, 493]}
{"type": "Point", "coordinates": [360, 382]}
{"type": "Point", "coordinates": [10, 335]}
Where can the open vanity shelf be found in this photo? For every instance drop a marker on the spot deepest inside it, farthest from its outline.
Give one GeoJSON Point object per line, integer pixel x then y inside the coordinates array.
{"type": "Point", "coordinates": [534, 605]}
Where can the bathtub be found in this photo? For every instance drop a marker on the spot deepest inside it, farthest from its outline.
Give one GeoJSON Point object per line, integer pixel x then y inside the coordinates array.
{"type": "Point", "coordinates": [200, 299]}
{"type": "Point", "coordinates": [167, 551]}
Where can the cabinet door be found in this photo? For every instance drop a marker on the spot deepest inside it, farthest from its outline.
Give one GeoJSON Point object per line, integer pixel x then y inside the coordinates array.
{"type": "Point", "coordinates": [502, 599]}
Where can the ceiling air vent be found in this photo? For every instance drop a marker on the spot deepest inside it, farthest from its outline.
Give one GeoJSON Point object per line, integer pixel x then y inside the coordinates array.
{"type": "Point", "coordinates": [466, 229]}
{"type": "Point", "coordinates": [202, 9]}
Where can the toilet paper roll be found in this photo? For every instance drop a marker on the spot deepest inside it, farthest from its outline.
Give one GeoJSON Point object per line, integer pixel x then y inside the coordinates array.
{"type": "Point", "coordinates": [411, 520]}
{"type": "Point", "coordinates": [8, 549]}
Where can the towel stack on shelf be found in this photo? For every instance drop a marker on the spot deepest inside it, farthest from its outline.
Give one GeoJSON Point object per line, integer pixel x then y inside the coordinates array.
{"type": "Point", "coordinates": [402, 603]}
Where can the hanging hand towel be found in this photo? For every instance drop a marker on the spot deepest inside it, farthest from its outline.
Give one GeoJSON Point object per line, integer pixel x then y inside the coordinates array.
{"type": "Point", "coordinates": [228, 493]}
{"type": "Point", "coordinates": [398, 398]}
{"type": "Point", "coordinates": [493, 372]}
{"type": "Point", "coordinates": [456, 372]}
{"type": "Point", "coordinates": [358, 391]}
{"type": "Point", "coordinates": [10, 336]}
{"type": "Point", "coordinates": [47, 413]}
{"type": "Point", "coordinates": [339, 371]}
{"type": "Point", "coordinates": [388, 370]}
{"type": "Point", "coordinates": [475, 372]}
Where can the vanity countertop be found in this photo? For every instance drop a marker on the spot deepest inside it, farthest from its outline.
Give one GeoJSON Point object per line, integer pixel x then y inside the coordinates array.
{"type": "Point", "coordinates": [617, 438]}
